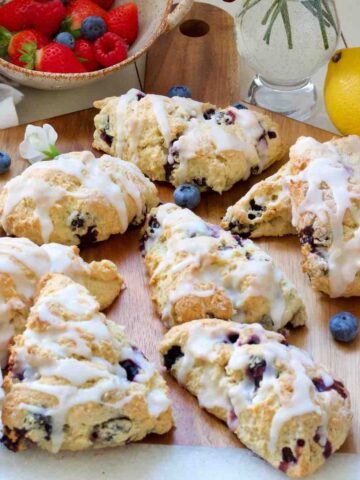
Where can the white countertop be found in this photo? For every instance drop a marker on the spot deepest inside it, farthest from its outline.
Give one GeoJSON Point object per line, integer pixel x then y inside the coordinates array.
{"type": "Point", "coordinates": [38, 104]}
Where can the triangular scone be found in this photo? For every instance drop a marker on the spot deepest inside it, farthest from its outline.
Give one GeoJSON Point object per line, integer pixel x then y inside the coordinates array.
{"type": "Point", "coordinates": [198, 270]}
{"type": "Point", "coordinates": [325, 197]}
{"type": "Point", "coordinates": [76, 199]}
{"type": "Point", "coordinates": [75, 381]}
{"type": "Point", "coordinates": [283, 406]}
{"type": "Point", "coordinates": [23, 263]}
{"type": "Point", "coordinates": [264, 211]}
{"type": "Point", "coordinates": [180, 140]}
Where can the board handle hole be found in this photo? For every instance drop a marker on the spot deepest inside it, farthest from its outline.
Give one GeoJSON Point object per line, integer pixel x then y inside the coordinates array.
{"type": "Point", "coordinates": [194, 28]}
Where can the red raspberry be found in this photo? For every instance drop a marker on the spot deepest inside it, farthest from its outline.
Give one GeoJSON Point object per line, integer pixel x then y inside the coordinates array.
{"type": "Point", "coordinates": [47, 16]}
{"type": "Point", "coordinates": [110, 49]}
{"type": "Point", "coordinates": [85, 52]}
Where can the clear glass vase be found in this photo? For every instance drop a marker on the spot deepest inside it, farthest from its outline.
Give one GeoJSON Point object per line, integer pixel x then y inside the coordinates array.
{"type": "Point", "coordinates": [286, 42]}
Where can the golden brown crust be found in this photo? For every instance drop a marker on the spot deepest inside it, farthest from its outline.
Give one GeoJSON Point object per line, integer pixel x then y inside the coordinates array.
{"type": "Point", "coordinates": [198, 270]}
{"type": "Point", "coordinates": [283, 406]}
{"type": "Point", "coordinates": [75, 199]}
{"type": "Point", "coordinates": [183, 141]}
{"type": "Point", "coordinates": [75, 381]}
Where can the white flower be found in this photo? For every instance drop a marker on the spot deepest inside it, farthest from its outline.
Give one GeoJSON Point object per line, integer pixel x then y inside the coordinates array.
{"type": "Point", "coordinates": [39, 143]}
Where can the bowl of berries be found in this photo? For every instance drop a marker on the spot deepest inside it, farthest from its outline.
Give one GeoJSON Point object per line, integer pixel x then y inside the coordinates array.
{"type": "Point", "coordinates": [62, 44]}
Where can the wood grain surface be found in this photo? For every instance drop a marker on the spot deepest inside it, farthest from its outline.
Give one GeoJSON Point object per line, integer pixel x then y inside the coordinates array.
{"type": "Point", "coordinates": [214, 78]}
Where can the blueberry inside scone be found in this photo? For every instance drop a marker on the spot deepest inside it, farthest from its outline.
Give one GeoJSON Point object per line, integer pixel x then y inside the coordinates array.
{"type": "Point", "coordinates": [274, 397]}
{"type": "Point", "coordinates": [325, 197]}
{"type": "Point", "coordinates": [76, 199]}
{"type": "Point", "coordinates": [75, 382]}
{"type": "Point", "coordinates": [264, 211]}
{"type": "Point", "coordinates": [180, 140]}
{"type": "Point", "coordinates": [198, 270]}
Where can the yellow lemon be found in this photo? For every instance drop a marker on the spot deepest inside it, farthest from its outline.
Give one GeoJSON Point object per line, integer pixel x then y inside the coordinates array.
{"type": "Point", "coordinates": [342, 90]}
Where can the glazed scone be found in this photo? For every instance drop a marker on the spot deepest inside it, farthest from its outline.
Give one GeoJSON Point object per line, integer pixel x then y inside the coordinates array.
{"type": "Point", "coordinates": [274, 397]}
{"type": "Point", "coordinates": [23, 263]}
{"type": "Point", "coordinates": [198, 270]}
{"type": "Point", "coordinates": [325, 197]}
{"type": "Point", "coordinates": [264, 211]}
{"type": "Point", "coordinates": [76, 199]}
{"type": "Point", "coordinates": [75, 381]}
{"type": "Point", "coordinates": [180, 140]}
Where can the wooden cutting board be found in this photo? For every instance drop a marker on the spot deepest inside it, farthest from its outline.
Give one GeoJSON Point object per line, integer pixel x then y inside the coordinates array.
{"type": "Point", "coordinates": [210, 66]}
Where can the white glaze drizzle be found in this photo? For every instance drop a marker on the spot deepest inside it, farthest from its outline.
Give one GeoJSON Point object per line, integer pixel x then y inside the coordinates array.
{"type": "Point", "coordinates": [199, 133]}
{"type": "Point", "coordinates": [107, 176]}
{"type": "Point", "coordinates": [333, 168]}
{"type": "Point", "coordinates": [218, 389]}
{"type": "Point", "coordinates": [25, 262]}
{"type": "Point", "coordinates": [87, 378]}
{"type": "Point", "coordinates": [193, 252]}
{"type": "Point", "coordinates": [121, 110]}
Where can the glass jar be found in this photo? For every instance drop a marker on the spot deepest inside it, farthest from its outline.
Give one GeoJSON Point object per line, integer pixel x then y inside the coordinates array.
{"type": "Point", "coordinates": [286, 42]}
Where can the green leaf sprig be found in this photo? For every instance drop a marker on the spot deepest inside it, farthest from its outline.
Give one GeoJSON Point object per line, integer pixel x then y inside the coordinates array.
{"type": "Point", "coordinates": [319, 8]}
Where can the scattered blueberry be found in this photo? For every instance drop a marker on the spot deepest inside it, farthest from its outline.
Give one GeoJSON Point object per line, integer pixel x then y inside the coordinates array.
{"type": "Point", "coordinates": [179, 91]}
{"type": "Point", "coordinates": [344, 326]}
{"type": "Point", "coordinates": [93, 27]}
{"type": "Point", "coordinates": [239, 106]}
{"type": "Point", "coordinates": [65, 38]}
{"type": "Point", "coordinates": [187, 196]}
{"type": "Point", "coordinates": [5, 162]}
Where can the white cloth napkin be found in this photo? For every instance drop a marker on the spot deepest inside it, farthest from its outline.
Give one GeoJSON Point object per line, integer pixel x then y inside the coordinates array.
{"type": "Point", "coordinates": [9, 97]}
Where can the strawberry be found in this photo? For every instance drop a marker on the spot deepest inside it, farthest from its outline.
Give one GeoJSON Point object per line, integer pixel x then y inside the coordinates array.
{"type": "Point", "coordinates": [110, 49]}
{"type": "Point", "coordinates": [15, 15]}
{"type": "Point", "coordinates": [47, 15]}
{"type": "Point", "coordinates": [105, 4]}
{"type": "Point", "coordinates": [124, 21]}
{"type": "Point", "coordinates": [77, 11]}
{"type": "Point", "coordinates": [57, 58]}
{"type": "Point", "coordinates": [84, 50]}
{"type": "Point", "coordinates": [23, 45]}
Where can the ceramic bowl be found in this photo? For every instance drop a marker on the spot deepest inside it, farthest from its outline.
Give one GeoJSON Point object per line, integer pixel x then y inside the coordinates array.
{"type": "Point", "coordinates": [155, 18]}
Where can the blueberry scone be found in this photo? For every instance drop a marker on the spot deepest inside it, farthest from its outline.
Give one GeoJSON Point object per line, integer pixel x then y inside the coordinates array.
{"type": "Point", "coordinates": [180, 140]}
{"type": "Point", "coordinates": [75, 381]}
{"type": "Point", "coordinates": [198, 270]}
{"type": "Point", "coordinates": [274, 397]}
{"type": "Point", "coordinates": [264, 211]}
{"type": "Point", "coordinates": [23, 263]}
{"type": "Point", "coordinates": [76, 199]}
{"type": "Point", "coordinates": [325, 197]}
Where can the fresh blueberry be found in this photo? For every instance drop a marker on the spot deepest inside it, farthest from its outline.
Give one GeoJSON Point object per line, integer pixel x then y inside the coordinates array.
{"type": "Point", "coordinates": [179, 91]}
{"type": "Point", "coordinates": [240, 106]}
{"type": "Point", "coordinates": [65, 38]}
{"type": "Point", "coordinates": [187, 196]}
{"type": "Point", "coordinates": [344, 326]}
{"type": "Point", "coordinates": [93, 27]}
{"type": "Point", "coordinates": [5, 162]}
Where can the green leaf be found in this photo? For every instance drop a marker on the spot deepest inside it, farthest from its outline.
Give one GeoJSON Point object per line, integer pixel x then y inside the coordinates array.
{"type": "Point", "coordinates": [286, 20]}
{"type": "Point", "coordinates": [322, 23]}
{"type": "Point", "coordinates": [5, 38]}
{"type": "Point", "coordinates": [269, 12]}
{"type": "Point", "coordinates": [28, 53]}
{"type": "Point", "coordinates": [247, 6]}
{"type": "Point", "coordinates": [51, 153]}
{"type": "Point", "coordinates": [272, 21]}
